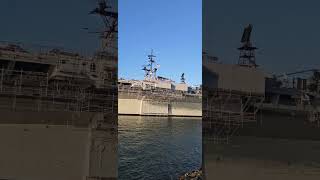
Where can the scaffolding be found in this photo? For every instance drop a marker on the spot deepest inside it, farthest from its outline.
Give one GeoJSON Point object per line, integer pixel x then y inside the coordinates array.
{"type": "Point", "coordinates": [25, 91]}
{"type": "Point", "coordinates": [314, 118]}
{"type": "Point", "coordinates": [226, 111]}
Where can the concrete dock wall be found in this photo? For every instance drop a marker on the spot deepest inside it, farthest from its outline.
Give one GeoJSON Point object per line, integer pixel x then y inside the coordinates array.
{"type": "Point", "coordinates": [186, 109]}
{"type": "Point", "coordinates": [154, 108]}
{"type": "Point", "coordinates": [251, 158]}
{"type": "Point", "coordinates": [129, 106]}
{"type": "Point", "coordinates": [55, 145]}
{"type": "Point", "coordinates": [37, 152]}
{"type": "Point", "coordinates": [147, 107]}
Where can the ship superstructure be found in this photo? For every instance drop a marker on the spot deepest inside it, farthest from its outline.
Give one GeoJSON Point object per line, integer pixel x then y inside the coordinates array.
{"type": "Point", "coordinates": [243, 95]}
{"type": "Point", "coordinates": [262, 125]}
{"type": "Point", "coordinates": [153, 82]}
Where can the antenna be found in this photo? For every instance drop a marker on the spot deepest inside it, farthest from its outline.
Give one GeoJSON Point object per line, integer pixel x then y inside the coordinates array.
{"type": "Point", "coordinates": [247, 51]}
{"type": "Point", "coordinates": [150, 69]}
{"type": "Point", "coordinates": [110, 20]}
{"type": "Point", "coordinates": [183, 79]}
{"type": "Point", "coordinates": [246, 34]}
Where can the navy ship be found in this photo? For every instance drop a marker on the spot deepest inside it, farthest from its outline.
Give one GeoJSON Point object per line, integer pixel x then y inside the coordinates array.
{"type": "Point", "coordinates": [157, 95]}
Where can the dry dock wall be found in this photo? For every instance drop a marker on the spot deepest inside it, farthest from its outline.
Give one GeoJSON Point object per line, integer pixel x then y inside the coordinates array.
{"type": "Point", "coordinates": [37, 152]}
{"type": "Point", "coordinates": [252, 158]}
{"type": "Point", "coordinates": [147, 107]}
{"type": "Point", "coordinates": [54, 145]}
{"type": "Point", "coordinates": [186, 109]}
{"type": "Point", "coordinates": [154, 108]}
{"type": "Point", "coordinates": [129, 106]}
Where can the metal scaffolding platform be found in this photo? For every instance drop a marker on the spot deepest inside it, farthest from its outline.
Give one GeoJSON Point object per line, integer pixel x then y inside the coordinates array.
{"type": "Point", "coordinates": [224, 112]}
{"type": "Point", "coordinates": [34, 91]}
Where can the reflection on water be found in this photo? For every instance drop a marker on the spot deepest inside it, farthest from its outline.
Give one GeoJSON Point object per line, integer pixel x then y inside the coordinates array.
{"type": "Point", "coordinates": [158, 147]}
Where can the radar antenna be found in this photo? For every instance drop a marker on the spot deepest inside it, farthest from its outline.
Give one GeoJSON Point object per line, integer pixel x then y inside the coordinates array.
{"type": "Point", "coordinates": [247, 51]}
{"type": "Point", "coordinates": [183, 79]}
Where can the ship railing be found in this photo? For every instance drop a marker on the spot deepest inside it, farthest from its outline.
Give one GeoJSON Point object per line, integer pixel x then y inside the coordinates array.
{"type": "Point", "coordinates": [13, 55]}
{"type": "Point", "coordinates": [40, 48]}
{"type": "Point", "coordinates": [46, 58]}
{"type": "Point", "coordinates": [287, 107]}
{"type": "Point", "coordinates": [22, 56]}
{"type": "Point", "coordinates": [214, 91]}
{"type": "Point", "coordinates": [53, 106]}
{"type": "Point", "coordinates": [37, 106]}
{"type": "Point", "coordinates": [41, 88]}
{"type": "Point", "coordinates": [102, 109]}
{"type": "Point", "coordinates": [5, 72]}
{"type": "Point", "coordinates": [156, 94]}
{"type": "Point", "coordinates": [53, 94]}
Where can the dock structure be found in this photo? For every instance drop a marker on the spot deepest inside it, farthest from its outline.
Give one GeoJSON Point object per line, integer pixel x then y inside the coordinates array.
{"type": "Point", "coordinates": [158, 103]}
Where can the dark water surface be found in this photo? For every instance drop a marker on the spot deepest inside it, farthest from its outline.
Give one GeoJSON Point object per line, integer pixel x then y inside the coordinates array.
{"type": "Point", "coordinates": [158, 147]}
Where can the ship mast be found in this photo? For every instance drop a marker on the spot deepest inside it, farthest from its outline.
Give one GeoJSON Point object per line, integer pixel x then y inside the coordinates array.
{"type": "Point", "coordinates": [109, 17]}
{"type": "Point", "coordinates": [149, 69]}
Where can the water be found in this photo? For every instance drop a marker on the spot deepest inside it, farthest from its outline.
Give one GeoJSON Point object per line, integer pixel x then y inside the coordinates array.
{"type": "Point", "coordinates": [158, 147]}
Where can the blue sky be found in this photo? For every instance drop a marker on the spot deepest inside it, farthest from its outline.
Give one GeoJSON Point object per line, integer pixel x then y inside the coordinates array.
{"type": "Point", "coordinates": [172, 28]}
{"type": "Point", "coordinates": [51, 23]}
